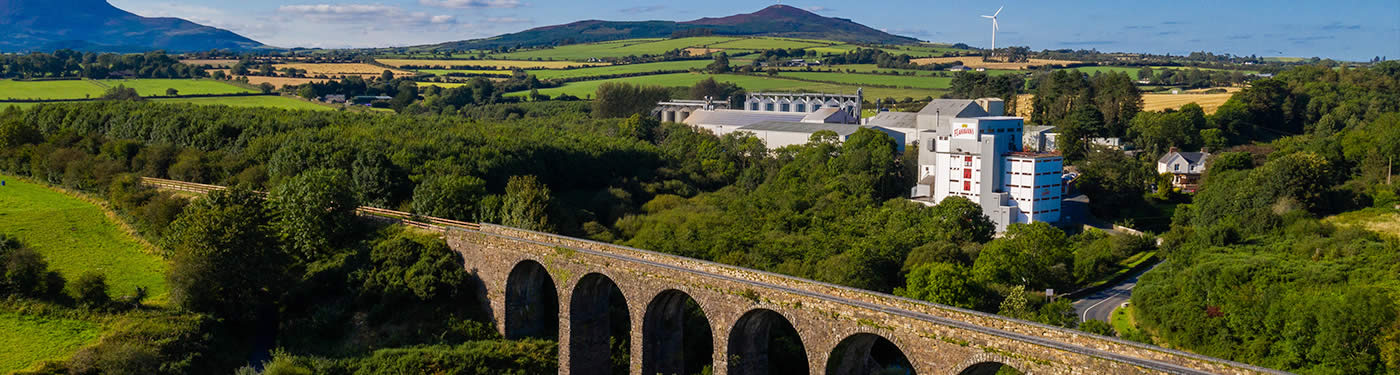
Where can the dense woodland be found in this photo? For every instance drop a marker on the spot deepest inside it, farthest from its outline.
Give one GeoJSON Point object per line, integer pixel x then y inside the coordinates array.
{"type": "Point", "coordinates": [1313, 142]}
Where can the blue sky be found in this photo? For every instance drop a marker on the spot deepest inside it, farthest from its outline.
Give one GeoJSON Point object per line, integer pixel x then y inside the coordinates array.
{"type": "Point", "coordinates": [1342, 29]}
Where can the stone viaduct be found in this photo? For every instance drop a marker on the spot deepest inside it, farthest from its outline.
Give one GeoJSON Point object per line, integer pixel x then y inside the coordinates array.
{"type": "Point", "coordinates": [543, 285]}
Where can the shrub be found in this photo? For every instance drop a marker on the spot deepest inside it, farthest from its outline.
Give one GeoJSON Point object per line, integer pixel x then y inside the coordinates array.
{"type": "Point", "coordinates": [90, 289]}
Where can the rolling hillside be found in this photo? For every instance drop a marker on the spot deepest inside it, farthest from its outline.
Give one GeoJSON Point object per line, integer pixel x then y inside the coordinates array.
{"type": "Point", "coordinates": [777, 20]}
{"type": "Point", "coordinates": [95, 25]}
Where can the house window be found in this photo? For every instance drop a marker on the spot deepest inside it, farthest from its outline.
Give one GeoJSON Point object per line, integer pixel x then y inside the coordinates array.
{"type": "Point", "coordinates": [1176, 167]}
{"type": "Point", "coordinates": [801, 107]}
{"type": "Point", "coordinates": [768, 107]}
{"type": "Point", "coordinates": [786, 107]}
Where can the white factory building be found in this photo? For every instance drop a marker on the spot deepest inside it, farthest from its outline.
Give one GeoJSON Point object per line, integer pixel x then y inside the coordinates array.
{"type": "Point", "coordinates": [968, 149]}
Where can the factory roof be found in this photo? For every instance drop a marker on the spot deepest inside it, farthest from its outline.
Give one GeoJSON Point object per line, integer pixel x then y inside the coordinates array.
{"type": "Point", "coordinates": [803, 127]}
{"type": "Point", "coordinates": [950, 108]}
{"type": "Point", "coordinates": [895, 120]}
{"type": "Point", "coordinates": [734, 117]}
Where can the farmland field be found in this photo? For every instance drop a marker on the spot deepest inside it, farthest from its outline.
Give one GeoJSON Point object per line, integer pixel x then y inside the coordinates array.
{"type": "Point", "coordinates": [501, 64]}
{"type": "Point", "coordinates": [621, 69]}
{"type": "Point", "coordinates": [282, 81]}
{"type": "Point", "coordinates": [26, 340]}
{"type": "Point", "coordinates": [1208, 102]}
{"type": "Point", "coordinates": [751, 83]}
{"type": "Point", "coordinates": [75, 236]}
{"type": "Point", "coordinates": [251, 101]}
{"type": "Point", "coordinates": [49, 89]}
{"type": "Point", "coordinates": [976, 62]}
{"type": "Point", "coordinates": [443, 72]}
{"type": "Point", "coordinates": [337, 69]}
{"type": "Point", "coordinates": [918, 82]}
{"type": "Point", "coordinates": [769, 43]}
{"type": "Point", "coordinates": [82, 89]}
{"type": "Point", "coordinates": [624, 48]}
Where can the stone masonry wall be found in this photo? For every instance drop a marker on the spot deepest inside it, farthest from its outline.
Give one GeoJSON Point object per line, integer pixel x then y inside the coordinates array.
{"type": "Point", "coordinates": [936, 339]}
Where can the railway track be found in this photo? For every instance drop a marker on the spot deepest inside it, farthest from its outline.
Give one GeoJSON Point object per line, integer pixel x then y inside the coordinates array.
{"type": "Point", "coordinates": [421, 222]}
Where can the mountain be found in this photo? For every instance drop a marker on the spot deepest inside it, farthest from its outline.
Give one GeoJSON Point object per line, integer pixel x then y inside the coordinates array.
{"type": "Point", "coordinates": [95, 25]}
{"type": "Point", "coordinates": [777, 20]}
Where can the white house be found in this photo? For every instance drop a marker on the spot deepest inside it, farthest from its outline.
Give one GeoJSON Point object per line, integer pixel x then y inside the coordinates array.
{"type": "Point", "coordinates": [1186, 168]}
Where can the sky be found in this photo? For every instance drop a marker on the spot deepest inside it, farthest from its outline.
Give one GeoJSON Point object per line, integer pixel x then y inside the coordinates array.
{"type": "Point", "coordinates": [1341, 29]}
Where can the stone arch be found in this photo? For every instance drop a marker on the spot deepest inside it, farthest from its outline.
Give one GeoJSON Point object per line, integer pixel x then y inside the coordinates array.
{"type": "Point", "coordinates": [867, 353]}
{"type": "Point", "coordinates": [597, 316]}
{"type": "Point", "coordinates": [532, 303]}
{"type": "Point", "coordinates": [987, 364]}
{"type": "Point", "coordinates": [751, 343]}
{"type": "Point", "coordinates": [676, 335]}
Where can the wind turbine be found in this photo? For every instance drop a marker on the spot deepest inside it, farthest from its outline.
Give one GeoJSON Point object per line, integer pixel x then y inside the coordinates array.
{"type": "Point", "coordinates": [995, 27]}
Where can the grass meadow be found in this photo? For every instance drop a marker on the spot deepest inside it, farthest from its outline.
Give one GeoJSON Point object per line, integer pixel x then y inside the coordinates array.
{"type": "Point", "coordinates": [621, 69]}
{"type": "Point", "coordinates": [498, 64]}
{"type": "Point", "coordinates": [581, 52]}
{"type": "Point", "coordinates": [27, 339]}
{"type": "Point", "coordinates": [75, 236]}
{"type": "Point", "coordinates": [82, 89]}
{"type": "Point", "coordinates": [918, 82]}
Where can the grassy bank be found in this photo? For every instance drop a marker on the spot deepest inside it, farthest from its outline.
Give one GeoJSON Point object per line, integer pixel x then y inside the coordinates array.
{"type": "Point", "coordinates": [75, 236]}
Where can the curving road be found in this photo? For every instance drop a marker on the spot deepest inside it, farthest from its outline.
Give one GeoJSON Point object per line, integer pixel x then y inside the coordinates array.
{"type": "Point", "coordinates": [1100, 305]}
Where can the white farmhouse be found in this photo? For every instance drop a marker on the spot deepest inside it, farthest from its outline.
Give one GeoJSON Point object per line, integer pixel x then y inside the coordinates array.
{"type": "Point", "coordinates": [1186, 168]}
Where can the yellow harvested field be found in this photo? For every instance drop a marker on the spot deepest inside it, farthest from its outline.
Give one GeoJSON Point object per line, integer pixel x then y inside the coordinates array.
{"type": "Point", "coordinates": [1208, 102]}
{"type": "Point", "coordinates": [702, 51]}
{"type": "Point", "coordinates": [499, 64]}
{"type": "Point", "coordinates": [1150, 102]}
{"type": "Point", "coordinates": [976, 62]}
{"type": "Point", "coordinates": [283, 81]}
{"type": "Point", "coordinates": [214, 63]}
{"type": "Point", "coordinates": [339, 69]}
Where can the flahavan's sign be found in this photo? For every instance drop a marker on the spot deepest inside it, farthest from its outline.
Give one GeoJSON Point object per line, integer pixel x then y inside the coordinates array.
{"type": "Point", "coordinates": [964, 130]}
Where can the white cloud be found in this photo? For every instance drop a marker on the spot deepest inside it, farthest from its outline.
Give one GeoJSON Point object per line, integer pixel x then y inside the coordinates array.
{"type": "Point", "coordinates": [508, 20]}
{"type": "Point", "coordinates": [471, 3]}
{"type": "Point", "coordinates": [365, 14]}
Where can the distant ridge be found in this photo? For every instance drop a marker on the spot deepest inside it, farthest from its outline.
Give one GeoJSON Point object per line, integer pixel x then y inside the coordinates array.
{"type": "Point", "coordinates": [95, 25]}
{"type": "Point", "coordinates": [776, 20]}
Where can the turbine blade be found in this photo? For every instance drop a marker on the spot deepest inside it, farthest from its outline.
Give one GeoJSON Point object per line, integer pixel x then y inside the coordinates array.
{"type": "Point", "coordinates": [998, 13]}
{"type": "Point", "coordinates": [989, 17]}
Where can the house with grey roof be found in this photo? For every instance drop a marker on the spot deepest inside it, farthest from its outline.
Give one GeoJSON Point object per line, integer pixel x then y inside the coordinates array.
{"type": "Point", "coordinates": [1186, 168]}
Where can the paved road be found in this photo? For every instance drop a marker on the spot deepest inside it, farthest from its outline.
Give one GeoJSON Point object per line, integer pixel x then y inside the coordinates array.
{"type": "Point", "coordinates": [1099, 306]}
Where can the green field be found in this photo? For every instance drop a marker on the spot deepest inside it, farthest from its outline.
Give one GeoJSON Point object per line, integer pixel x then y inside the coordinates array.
{"type": "Point", "coordinates": [77, 236]}
{"type": "Point", "coordinates": [1123, 321]}
{"type": "Point", "coordinates": [770, 43]}
{"type": "Point", "coordinates": [252, 101]}
{"type": "Point", "coordinates": [82, 89]}
{"type": "Point", "coordinates": [751, 83]}
{"type": "Point", "coordinates": [917, 82]}
{"type": "Point", "coordinates": [623, 48]}
{"type": "Point", "coordinates": [621, 69]}
{"type": "Point", "coordinates": [26, 340]}
{"type": "Point", "coordinates": [443, 72]}
{"type": "Point", "coordinates": [1133, 71]}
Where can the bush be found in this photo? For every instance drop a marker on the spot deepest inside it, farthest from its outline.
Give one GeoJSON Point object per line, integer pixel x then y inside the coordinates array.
{"type": "Point", "coordinates": [1097, 327]}
{"type": "Point", "coordinates": [90, 289]}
